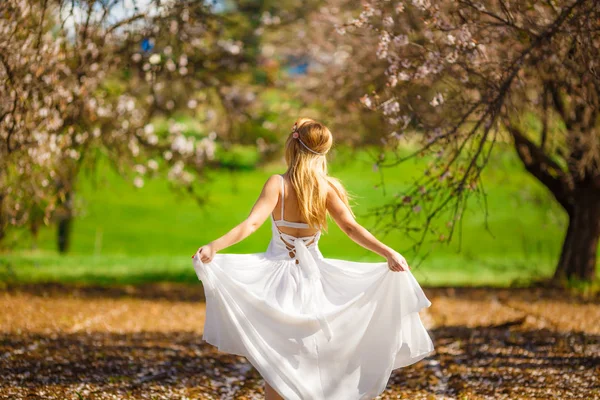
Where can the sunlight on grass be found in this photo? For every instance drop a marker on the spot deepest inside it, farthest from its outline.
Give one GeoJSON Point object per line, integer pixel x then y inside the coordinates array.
{"type": "Point", "coordinates": [129, 235]}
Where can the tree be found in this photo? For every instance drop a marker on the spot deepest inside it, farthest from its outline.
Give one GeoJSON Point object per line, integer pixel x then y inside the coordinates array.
{"type": "Point", "coordinates": [461, 75]}
{"type": "Point", "coordinates": [80, 80]}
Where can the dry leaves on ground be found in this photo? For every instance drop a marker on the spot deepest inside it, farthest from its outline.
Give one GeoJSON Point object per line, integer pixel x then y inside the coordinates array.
{"type": "Point", "coordinates": [145, 343]}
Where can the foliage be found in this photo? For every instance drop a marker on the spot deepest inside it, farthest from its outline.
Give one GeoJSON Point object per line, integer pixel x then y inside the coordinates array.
{"type": "Point", "coordinates": [461, 76]}
{"type": "Point", "coordinates": [84, 79]}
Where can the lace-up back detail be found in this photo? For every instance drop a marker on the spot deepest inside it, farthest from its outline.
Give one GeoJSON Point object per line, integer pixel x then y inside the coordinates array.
{"type": "Point", "coordinates": [289, 240]}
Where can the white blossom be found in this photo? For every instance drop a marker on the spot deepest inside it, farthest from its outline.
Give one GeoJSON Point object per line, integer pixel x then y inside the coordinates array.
{"type": "Point", "coordinates": [422, 4]}
{"type": "Point", "coordinates": [148, 129]}
{"type": "Point", "coordinates": [170, 65]}
{"type": "Point", "coordinates": [403, 76]}
{"type": "Point", "coordinates": [383, 45]}
{"type": "Point", "coordinates": [437, 100]}
{"type": "Point", "coordinates": [401, 40]}
{"type": "Point", "coordinates": [138, 181]}
{"type": "Point", "coordinates": [366, 100]}
{"type": "Point", "coordinates": [152, 164]}
{"type": "Point", "coordinates": [154, 58]}
{"type": "Point", "coordinates": [140, 169]}
{"type": "Point", "coordinates": [391, 107]}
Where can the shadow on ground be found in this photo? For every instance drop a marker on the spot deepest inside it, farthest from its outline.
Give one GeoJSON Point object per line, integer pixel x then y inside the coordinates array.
{"type": "Point", "coordinates": [504, 353]}
{"type": "Point", "coordinates": [475, 362]}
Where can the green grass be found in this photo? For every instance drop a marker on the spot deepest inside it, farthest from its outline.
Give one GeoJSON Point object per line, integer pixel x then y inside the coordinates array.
{"type": "Point", "coordinates": [129, 235]}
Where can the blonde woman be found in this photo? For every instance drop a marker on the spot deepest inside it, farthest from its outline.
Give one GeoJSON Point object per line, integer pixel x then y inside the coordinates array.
{"type": "Point", "coordinates": [314, 328]}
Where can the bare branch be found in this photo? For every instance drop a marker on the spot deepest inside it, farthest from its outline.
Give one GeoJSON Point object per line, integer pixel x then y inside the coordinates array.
{"type": "Point", "coordinates": [541, 166]}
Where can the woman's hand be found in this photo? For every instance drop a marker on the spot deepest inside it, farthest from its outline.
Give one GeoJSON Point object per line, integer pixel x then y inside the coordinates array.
{"type": "Point", "coordinates": [206, 253]}
{"type": "Point", "coordinates": [396, 262]}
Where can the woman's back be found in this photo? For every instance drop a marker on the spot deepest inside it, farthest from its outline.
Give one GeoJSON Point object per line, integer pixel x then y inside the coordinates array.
{"type": "Point", "coordinates": [286, 214]}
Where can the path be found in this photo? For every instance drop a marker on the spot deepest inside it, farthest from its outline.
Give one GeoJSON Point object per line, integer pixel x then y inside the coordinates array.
{"type": "Point", "coordinates": [145, 343]}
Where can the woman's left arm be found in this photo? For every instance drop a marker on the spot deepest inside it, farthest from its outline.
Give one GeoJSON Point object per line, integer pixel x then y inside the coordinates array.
{"type": "Point", "coordinates": [260, 212]}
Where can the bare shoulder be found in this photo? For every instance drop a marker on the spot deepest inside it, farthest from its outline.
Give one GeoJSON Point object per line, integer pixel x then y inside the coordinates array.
{"type": "Point", "coordinates": [273, 183]}
{"type": "Point", "coordinates": [337, 197]}
{"type": "Point", "coordinates": [333, 199]}
{"type": "Point", "coordinates": [332, 188]}
{"type": "Point", "coordinates": [273, 179]}
{"type": "Point", "coordinates": [331, 192]}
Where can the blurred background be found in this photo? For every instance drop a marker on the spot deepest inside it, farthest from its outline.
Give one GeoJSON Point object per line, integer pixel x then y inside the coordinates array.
{"type": "Point", "coordinates": [136, 131]}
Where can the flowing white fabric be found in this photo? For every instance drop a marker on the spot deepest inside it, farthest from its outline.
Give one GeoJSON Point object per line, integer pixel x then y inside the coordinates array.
{"type": "Point", "coordinates": [314, 328]}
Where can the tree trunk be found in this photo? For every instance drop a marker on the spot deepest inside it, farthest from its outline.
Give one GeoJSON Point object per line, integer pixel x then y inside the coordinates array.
{"type": "Point", "coordinates": [65, 221]}
{"type": "Point", "coordinates": [580, 247]}
{"type": "Point", "coordinates": [34, 228]}
{"type": "Point", "coordinates": [3, 221]}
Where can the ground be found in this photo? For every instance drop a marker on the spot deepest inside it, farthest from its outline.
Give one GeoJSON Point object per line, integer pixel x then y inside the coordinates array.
{"type": "Point", "coordinates": [144, 342]}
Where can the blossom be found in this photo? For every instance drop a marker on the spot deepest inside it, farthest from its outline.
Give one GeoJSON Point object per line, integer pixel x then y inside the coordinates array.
{"type": "Point", "coordinates": [170, 65]}
{"type": "Point", "coordinates": [422, 4]}
{"type": "Point", "coordinates": [154, 58]}
{"type": "Point", "coordinates": [383, 45]}
{"type": "Point", "coordinates": [400, 40]}
{"type": "Point", "coordinates": [138, 182]}
{"type": "Point", "coordinates": [437, 100]}
{"type": "Point", "coordinates": [403, 76]}
{"type": "Point", "coordinates": [366, 100]}
{"type": "Point", "coordinates": [139, 168]}
{"type": "Point", "coordinates": [391, 107]}
{"type": "Point", "coordinates": [153, 165]}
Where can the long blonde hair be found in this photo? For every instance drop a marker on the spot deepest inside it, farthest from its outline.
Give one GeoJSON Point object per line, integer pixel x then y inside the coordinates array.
{"type": "Point", "coordinates": [305, 151]}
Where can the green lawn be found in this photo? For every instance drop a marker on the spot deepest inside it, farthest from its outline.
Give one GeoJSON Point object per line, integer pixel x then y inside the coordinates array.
{"type": "Point", "coordinates": [129, 235]}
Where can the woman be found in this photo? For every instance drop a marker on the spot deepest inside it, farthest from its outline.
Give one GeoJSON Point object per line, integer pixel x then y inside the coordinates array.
{"type": "Point", "coordinates": [313, 327]}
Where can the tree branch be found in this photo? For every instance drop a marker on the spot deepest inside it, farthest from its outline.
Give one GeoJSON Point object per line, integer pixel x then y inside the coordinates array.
{"type": "Point", "coordinates": [540, 165]}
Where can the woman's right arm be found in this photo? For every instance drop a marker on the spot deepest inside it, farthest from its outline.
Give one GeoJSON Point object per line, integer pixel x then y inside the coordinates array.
{"type": "Point", "coordinates": [258, 215]}
{"type": "Point", "coordinates": [345, 220]}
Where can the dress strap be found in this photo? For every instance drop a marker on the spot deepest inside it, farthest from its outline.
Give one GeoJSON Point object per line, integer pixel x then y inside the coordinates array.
{"type": "Point", "coordinates": [282, 192]}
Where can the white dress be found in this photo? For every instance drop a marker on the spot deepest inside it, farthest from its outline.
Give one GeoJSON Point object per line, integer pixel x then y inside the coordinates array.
{"type": "Point", "coordinates": [314, 328]}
